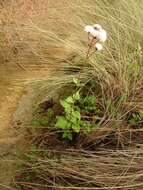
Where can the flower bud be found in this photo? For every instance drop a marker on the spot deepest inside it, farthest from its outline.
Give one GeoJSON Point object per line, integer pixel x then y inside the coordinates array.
{"type": "Point", "coordinates": [102, 35]}
{"type": "Point", "coordinates": [88, 29]}
{"type": "Point", "coordinates": [98, 46]}
{"type": "Point", "coordinates": [97, 26]}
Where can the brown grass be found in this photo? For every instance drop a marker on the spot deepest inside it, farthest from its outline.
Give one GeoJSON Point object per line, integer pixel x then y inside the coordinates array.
{"type": "Point", "coordinates": [87, 170]}
{"type": "Point", "coordinates": [41, 34]}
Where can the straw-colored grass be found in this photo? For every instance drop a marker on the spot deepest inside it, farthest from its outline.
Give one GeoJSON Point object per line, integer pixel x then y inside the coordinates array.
{"type": "Point", "coordinates": [51, 34]}
{"type": "Point", "coordinates": [79, 169]}
{"type": "Point", "coordinates": [117, 70]}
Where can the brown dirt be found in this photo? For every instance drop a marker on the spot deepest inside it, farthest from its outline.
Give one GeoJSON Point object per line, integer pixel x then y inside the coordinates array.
{"type": "Point", "coordinates": [11, 93]}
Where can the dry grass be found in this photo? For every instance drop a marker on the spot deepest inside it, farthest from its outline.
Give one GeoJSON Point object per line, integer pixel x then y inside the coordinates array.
{"type": "Point", "coordinates": [118, 69]}
{"type": "Point", "coordinates": [87, 170]}
{"type": "Point", "coordinates": [41, 34]}
{"type": "Point", "coordinates": [30, 32]}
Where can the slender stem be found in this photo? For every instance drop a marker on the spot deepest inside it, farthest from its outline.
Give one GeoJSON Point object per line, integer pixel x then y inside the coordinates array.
{"type": "Point", "coordinates": [88, 52]}
{"type": "Point", "coordinates": [91, 44]}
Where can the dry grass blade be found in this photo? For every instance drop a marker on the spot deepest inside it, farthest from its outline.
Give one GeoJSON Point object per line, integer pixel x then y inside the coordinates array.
{"type": "Point", "coordinates": [44, 34]}
{"type": "Point", "coordinates": [86, 170]}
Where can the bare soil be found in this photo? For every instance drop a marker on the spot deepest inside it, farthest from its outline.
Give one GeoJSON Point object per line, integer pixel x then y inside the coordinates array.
{"type": "Point", "coordinates": [13, 96]}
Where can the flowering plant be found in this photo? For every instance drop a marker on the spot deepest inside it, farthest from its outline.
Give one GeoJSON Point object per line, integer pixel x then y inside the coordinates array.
{"type": "Point", "coordinates": [96, 36]}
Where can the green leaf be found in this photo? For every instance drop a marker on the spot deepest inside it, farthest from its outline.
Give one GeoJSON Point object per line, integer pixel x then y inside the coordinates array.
{"type": "Point", "coordinates": [62, 122]}
{"type": "Point", "coordinates": [141, 114]}
{"type": "Point", "coordinates": [50, 112]}
{"type": "Point", "coordinates": [76, 128]}
{"type": "Point", "coordinates": [73, 119]}
{"type": "Point", "coordinates": [67, 106]}
{"type": "Point", "coordinates": [35, 122]}
{"type": "Point", "coordinates": [86, 126]}
{"type": "Point", "coordinates": [44, 122]}
{"type": "Point", "coordinates": [76, 114]}
{"type": "Point", "coordinates": [132, 121]}
{"type": "Point", "coordinates": [90, 101]}
{"type": "Point", "coordinates": [70, 100]}
{"type": "Point", "coordinates": [135, 117]}
{"type": "Point", "coordinates": [76, 81]}
{"type": "Point", "coordinates": [76, 96]}
{"type": "Point", "coordinates": [39, 122]}
{"type": "Point", "coordinates": [67, 135]}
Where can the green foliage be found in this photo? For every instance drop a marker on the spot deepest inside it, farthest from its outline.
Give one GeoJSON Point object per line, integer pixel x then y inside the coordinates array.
{"type": "Point", "coordinates": [89, 103]}
{"type": "Point", "coordinates": [50, 112]}
{"type": "Point", "coordinates": [76, 82]}
{"type": "Point", "coordinates": [73, 121]}
{"type": "Point", "coordinates": [46, 121]}
{"type": "Point", "coordinates": [136, 118]}
{"type": "Point", "coordinates": [40, 122]}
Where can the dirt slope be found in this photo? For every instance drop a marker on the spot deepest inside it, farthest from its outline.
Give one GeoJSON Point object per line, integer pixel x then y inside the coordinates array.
{"type": "Point", "coordinates": [12, 92]}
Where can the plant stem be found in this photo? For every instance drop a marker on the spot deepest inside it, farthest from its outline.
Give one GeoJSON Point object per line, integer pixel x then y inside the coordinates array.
{"type": "Point", "coordinates": [92, 42]}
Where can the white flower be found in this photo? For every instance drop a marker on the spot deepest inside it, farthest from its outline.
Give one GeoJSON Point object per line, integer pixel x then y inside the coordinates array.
{"type": "Point", "coordinates": [88, 29]}
{"type": "Point", "coordinates": [97, 32]}
{"type": "Point", "coordinates": [97, 26]}
{"type": "Point", "coordinates": [102, 36]}
{"type": "Point", "coordinates": [98, 47]}
{"type": "Point", "coordinates": [91, 30]}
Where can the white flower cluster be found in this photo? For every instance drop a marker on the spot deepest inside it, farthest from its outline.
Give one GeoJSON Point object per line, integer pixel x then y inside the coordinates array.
{"type": "Point", "coordinates": [97, 32]}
